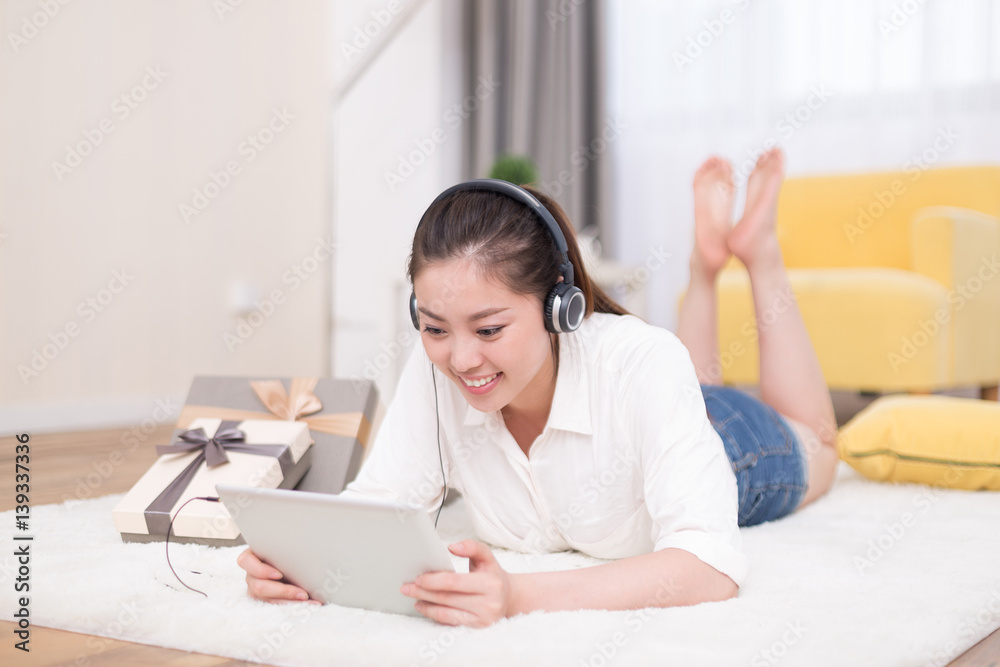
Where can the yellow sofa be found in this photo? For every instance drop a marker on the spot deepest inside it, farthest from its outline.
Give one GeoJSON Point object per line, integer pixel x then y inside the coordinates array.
{"type": "Point", "coordinates": [896, 275]}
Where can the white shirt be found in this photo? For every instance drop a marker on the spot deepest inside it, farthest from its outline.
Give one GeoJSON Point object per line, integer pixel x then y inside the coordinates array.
{"type": "Point", "coordinates": [628, 462]}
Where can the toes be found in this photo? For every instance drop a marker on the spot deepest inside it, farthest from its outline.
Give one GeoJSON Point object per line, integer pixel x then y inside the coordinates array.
{"type": "Point", "coordinates": [774, 157]}
{"type": "Point", "coordinates": [714, 164]}
{"type": "Point", "coordinates": [706, 166]}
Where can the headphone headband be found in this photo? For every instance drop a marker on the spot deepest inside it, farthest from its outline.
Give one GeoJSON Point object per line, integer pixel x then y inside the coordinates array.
{"type": "Point", "coordinates": [522, 196]}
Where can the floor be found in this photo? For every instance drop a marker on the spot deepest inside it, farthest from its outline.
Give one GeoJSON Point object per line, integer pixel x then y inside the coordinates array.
{"type": "Point", "coordinates": [60, 461]}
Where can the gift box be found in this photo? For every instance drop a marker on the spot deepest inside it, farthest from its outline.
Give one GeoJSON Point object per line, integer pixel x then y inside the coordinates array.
{"type": "Point", "coordinates": [339, 414]}
{"type": "Point", "coordinates": [261, 453]}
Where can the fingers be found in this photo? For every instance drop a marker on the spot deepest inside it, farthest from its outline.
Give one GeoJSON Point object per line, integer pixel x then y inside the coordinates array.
{"type": "Point", "coordinates": [257, 568]}
{"type": "Point", "coordinates": [478, 553]}
{"type": "Point", "coordinates": [449, 616]}
{"type": "Point", "coordinates": [474, 599]}
{"type": "Point", "coordinates": [446, 598]}
{"type": "Point", "coordinates": [446, 581]}
{"type": "Point", "coordinates": [262, 581]}
{"type": "Point", "coordinates": [274, 591]}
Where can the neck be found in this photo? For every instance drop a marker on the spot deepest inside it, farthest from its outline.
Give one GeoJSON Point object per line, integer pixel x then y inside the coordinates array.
{"type": "Point", "coordinates": [533, 404]}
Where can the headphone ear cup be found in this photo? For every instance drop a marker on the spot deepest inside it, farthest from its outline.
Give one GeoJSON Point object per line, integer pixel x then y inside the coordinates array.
{"type": "Point", "coordinates": [565, 307]}
{"type": "Point", "coordinates": [414, 313]}
{"type": "Point", "coordinates": [550, 319]}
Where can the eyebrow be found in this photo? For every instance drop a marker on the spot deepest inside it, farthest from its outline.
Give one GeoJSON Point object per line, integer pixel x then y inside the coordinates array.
{"type": "Point", "coordinates": [475, 316]}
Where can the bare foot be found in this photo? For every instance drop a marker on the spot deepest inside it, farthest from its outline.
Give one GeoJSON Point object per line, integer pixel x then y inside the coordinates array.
{"type": "Point", "coordinates": [713, 206]}
{"type": "Point", "coordinates": [755, 234]}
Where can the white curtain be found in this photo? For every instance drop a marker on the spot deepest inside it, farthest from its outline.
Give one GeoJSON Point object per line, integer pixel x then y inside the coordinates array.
{"type": "Point", "coordinates": [840, 85]}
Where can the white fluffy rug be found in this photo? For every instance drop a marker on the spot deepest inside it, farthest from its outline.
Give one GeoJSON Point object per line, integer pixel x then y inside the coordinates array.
{"type": "Point", "coordinates": [842, 582]}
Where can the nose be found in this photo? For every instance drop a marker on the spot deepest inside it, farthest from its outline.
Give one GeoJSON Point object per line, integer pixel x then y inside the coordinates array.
{"type": "Point", "coordinates": [465, 353]}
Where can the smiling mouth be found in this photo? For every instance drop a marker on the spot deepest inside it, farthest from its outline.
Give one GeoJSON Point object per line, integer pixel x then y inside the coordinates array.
{"type": "Point", "coordinates": [480, 382]}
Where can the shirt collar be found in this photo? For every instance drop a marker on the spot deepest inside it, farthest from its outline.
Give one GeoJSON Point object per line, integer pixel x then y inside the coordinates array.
{"type": "Point", "coordinates": [571, 401]}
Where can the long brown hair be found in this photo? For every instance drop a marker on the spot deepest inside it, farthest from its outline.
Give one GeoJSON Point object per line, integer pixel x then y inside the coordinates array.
{"type": "Point", "coordinates": [507, 242]}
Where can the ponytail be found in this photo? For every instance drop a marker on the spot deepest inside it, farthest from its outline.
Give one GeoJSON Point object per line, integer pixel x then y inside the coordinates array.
{"type": "Point", "coordinates": [597, 299]}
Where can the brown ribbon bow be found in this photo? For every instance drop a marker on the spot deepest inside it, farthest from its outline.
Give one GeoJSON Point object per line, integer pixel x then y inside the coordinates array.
{"type": "Point", "coordinates": [298, 404]}
{"type": "Point", "coordinates": [292, 407]}
{"type": "Point", "coordinates": [214, 447]}
{"type": "Point", "coordinates": [212, 452]}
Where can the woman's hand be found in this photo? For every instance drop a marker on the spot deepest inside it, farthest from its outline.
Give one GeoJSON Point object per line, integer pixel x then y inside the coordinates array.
{"type": "Point", "coordinates": [477, 599]}
{"type": "Point", "coordinates": [263, 581]}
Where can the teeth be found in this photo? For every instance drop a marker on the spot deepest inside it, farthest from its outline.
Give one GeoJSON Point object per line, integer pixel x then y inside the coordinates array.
{"type": "Point", "coordinates": [479, 383]}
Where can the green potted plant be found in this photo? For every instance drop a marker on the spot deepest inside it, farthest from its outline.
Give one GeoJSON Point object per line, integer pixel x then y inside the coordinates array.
{"type": "Point", "coordinates": [516, 169]}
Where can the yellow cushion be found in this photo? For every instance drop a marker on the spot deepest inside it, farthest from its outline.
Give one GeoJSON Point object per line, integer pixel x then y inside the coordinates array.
{"type": "Point", "coordinates": [937, 440]}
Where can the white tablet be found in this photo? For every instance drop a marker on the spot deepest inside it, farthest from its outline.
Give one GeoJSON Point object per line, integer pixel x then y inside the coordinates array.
{"type": "Point", "coordinates": [355, 553]}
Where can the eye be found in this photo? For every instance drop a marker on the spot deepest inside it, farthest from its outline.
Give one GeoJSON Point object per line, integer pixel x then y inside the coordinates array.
{"type": "Point", "coordinates": [490, 333]}
{"type": "Point", "coordinates": [433, 331]}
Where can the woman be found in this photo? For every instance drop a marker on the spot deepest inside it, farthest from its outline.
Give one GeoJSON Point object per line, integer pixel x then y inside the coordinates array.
{"type": "Point", "coordinates": [601, 439]}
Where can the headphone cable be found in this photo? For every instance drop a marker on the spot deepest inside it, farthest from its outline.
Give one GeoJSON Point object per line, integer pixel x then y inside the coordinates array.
{"type": "Point", "coordinates": [437, 419]}
{"type": "Point", "coordinates": [211, 499]}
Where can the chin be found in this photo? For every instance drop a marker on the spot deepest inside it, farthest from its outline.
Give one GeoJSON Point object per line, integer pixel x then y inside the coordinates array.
{"type": "Point", "coordinates": [485, 403]}
{"type": "Point", "coordinates": [489, 403]}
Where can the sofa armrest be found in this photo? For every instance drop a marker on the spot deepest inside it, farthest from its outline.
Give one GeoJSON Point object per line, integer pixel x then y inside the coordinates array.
{"type": "Point", "coordinates": [960, 248]}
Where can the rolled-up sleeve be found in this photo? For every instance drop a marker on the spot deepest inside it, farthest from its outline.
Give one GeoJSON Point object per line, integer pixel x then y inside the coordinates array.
{"type": "Point", "coordinates": [688, 483]}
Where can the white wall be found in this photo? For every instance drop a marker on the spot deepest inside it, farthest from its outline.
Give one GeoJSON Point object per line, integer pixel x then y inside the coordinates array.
{"type": "Point", "coordinates": [222, 77]}
{"type": "Point", "coordinates": [396, 111]}
{"type": "Point", "coordinates": [320, 180]}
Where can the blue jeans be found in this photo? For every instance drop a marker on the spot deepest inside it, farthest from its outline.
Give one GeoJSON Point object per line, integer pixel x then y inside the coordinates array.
{"type": "Point", "coordinates": [768, 459]}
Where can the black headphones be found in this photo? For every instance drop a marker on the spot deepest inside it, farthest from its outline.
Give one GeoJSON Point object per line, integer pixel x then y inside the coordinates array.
{"type": "Point", "coordinates": [564, 305]}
